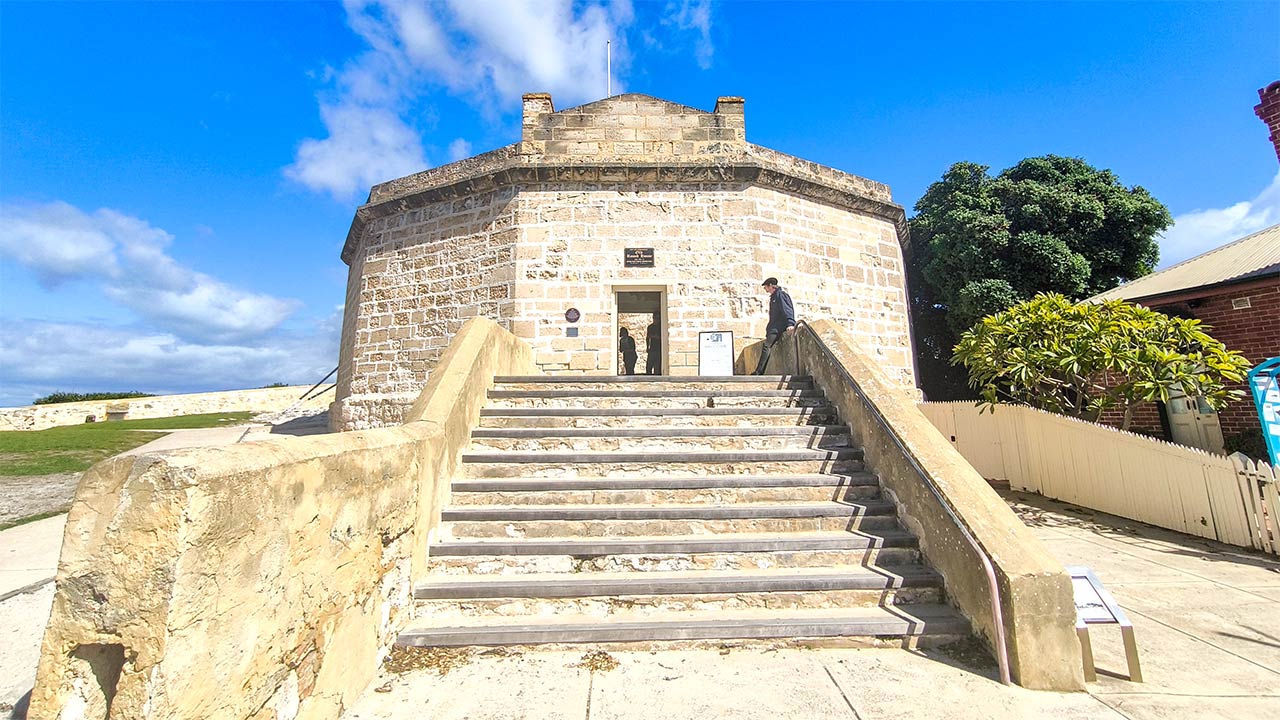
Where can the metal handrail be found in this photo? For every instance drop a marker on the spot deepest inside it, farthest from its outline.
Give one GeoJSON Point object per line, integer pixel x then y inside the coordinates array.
{"type": "Point", "coordinates": [997, 614]}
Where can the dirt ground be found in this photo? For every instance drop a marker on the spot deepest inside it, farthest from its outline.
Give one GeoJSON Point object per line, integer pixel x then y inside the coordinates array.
{"type": "Point", "coordinates": [23, 496]}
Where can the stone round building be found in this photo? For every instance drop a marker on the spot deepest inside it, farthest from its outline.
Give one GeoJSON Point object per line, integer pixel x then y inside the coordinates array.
{"type": "Point", "coordinates": [632, 211]}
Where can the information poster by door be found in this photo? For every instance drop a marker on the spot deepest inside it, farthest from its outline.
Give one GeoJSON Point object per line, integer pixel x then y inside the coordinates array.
{"type": "Point", "coordinates": [715, 353]}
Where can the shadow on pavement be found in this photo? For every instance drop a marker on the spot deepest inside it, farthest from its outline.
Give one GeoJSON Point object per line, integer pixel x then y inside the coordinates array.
{"type": "Point", "coordinates": [1039, 511]}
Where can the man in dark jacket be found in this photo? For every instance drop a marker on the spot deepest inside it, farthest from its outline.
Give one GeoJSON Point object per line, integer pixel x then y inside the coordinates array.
{"type": "Point", "coordinates": [782, 318]}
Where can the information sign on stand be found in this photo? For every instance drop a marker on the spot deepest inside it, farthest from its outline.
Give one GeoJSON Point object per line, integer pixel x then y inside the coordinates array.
{"type": "Point", "coordinates": [1264, 382]}
{"type": "Point", "coordinates": [715, 353]}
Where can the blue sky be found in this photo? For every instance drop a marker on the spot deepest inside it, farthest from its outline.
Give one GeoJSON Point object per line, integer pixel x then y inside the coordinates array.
{"type": "Point", "coordinates": [177, 179]}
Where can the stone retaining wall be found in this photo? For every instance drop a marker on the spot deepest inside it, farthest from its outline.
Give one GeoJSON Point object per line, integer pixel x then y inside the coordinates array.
{"type": "Point", "coordinates": [263, 579]}
{"type": "Point", "coordinates": [39, 417]}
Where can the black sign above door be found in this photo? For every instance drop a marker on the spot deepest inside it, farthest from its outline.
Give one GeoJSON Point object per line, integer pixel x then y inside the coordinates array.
{"type": "Point", "coordinates": [637, 257]}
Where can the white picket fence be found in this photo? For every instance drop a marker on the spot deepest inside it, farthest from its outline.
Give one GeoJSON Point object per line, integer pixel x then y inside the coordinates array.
{"type": "Point", "coordinates": [1231, 499]}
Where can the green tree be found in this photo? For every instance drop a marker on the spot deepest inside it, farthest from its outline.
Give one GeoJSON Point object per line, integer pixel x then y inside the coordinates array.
{"type": "Point", "coordinates": [981, 244]}
{"type": "Point", "coordinates": [1081, 359]}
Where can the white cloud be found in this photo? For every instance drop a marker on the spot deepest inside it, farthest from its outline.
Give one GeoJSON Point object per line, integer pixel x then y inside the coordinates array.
{"type": "Point", "coordinates": [127, 257]}
{"type": "Point", "coordinates": [459, 149]}
{"type": "Point", "coordinates": [489, 52]}
{"type": "Point", "coordinates": [546, 46]}
{"type": "Point", "coordinates": [58, 242]}
{"type": "Point", "coordinates": [693, 15]}
{"type": "Point", "coordinates": [366, 146]}
{"type": "Point", "coordinates": [1199, 231]}
{"type": "Point", "coordinates": [37, 358]}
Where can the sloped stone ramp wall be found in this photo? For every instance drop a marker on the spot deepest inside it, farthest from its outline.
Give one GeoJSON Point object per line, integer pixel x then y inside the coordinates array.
{"type": "Point", "coordinates": [907, 453]}
{"type": "Point", "coordinates": [259, 580]}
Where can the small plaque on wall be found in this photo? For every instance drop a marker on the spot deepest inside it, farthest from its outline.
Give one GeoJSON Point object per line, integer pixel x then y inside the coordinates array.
{"type": "Point", "coordinates": [637, 257]}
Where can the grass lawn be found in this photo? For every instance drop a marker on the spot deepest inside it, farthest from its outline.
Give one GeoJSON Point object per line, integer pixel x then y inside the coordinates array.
{"type": "Point", "coordinates": [75, 447]}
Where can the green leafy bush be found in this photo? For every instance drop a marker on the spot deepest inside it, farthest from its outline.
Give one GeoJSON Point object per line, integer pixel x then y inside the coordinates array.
{"type": "Point", "coordinates": [1249, 443]}
{"type": "Point", "coordinates": [66, 397]}
{"type": "Point", "coordinates": [1082, 359]}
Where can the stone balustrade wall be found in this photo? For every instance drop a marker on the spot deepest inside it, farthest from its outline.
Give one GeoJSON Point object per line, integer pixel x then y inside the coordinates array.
{"type": "Point", "coordinates": [40, 417]}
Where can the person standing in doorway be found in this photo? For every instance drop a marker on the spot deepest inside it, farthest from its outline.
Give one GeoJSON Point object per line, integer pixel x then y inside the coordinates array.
{"type": "Point", "coordinates": [653, 348]}
{"type": "Point", "coordinates": [627, 346]}
{"type": "Point", "coordinates": [782, 319]}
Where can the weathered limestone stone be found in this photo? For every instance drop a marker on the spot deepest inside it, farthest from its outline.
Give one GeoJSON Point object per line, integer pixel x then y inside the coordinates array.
{"type": "Point", "coordinates": [523, 233]}
{"type": "Point", "coordinates": [259, 580]}
{"type": "Point", "coordinates": [39, 417]}
{"type": "Point", "coordinates": [908, 455]}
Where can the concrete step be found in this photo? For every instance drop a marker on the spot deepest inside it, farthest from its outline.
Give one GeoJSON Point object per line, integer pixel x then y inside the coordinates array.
{"type": "Point", "coordinates": [662, 482]}
{"type": "Point", "coordinates": [637, 418]}
{"type": "Point", "coordinates": [562, 585]}
{"type": "Point", "coordinates": [903, 625]}
{"type": "Point", "coordinates": [586, 548]}
{"type": "Point", "coordinates": [667, 496]}
{"type": "Point", "coordinates": [714, 489]}
{"type": "Point", "coordinates": [666, 512]}
{"type": "Point", "coordinates": [593, 521]}
{"type": "Point", "coordinates": [642, 380]}
{"type": "Point", "coordinates": [660, 431]}
{"type": "Point", "coordinates": [658, 561]}
{"type": "Point", "coordinates": [671, 399]}
{"type": "Point", "coordinates": [655, 383]}
{"type": "Point", "coordinates": [659, 439]}
{"type": "Point", "coordinates": [442, 612]}
{"type": "Point", "coordinates": [686, 464]}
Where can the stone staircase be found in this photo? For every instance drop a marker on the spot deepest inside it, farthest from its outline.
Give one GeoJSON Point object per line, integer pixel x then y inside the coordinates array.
{"type": "Point", "coordinates": [691, 510]}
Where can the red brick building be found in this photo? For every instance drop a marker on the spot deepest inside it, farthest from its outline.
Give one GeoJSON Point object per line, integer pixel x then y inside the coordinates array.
{"type": "Point", "coordinates": [1234, 289]}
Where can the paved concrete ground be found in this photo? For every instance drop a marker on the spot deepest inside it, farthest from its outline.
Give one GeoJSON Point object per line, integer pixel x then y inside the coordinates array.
{"type": "Point", "coordinates": [29, 554]}
{"type": "Point", "coordinates": [28, 562]}
{"type": "Point", "coordinates": [1208, 631]}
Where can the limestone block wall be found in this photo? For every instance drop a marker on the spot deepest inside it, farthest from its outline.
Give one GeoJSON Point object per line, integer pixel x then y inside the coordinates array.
{"type": "Point", "coordinates": [630, 128]}
{"type": "Point", "coordinates": [262, 579]}
{"type": "Point", "coordinates": [713, 244]}
{"type": "Point", "coordinates": [419, 275]}
{"type": "Point", "coordinates": [523, 233]}
{"type": "Point", "coordinates": [39, 417]}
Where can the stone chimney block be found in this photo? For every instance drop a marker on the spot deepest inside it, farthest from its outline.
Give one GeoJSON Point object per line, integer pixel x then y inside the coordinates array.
{"type": "Point", "coordinates": [732, 116]}
{"type": "Point", "coordinates": [536, 107]}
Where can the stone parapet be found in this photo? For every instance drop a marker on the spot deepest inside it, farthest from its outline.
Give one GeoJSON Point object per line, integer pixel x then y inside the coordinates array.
{"type": "Point", "coordinates": [262, 579]}
{"type": "Point", "coordinates": [908, 454]}
{"type": "Point", "coordinates": [39, 417]}
{"type": "Point", "coordinates": [625, 138]}
{"type": "Point", "coordinates": [762, 166]}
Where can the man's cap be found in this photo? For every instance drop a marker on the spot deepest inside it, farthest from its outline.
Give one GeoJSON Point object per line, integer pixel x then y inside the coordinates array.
{"type": "Point", "coordinates": [770, 281]}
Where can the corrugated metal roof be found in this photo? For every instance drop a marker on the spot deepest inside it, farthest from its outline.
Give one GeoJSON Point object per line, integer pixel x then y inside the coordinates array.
{"type": "Point", "coordinates": [1255, 255]}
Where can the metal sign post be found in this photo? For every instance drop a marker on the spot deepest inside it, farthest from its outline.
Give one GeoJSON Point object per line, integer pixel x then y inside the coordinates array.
{"type": "Point", "coordinates": [1264, 381]}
